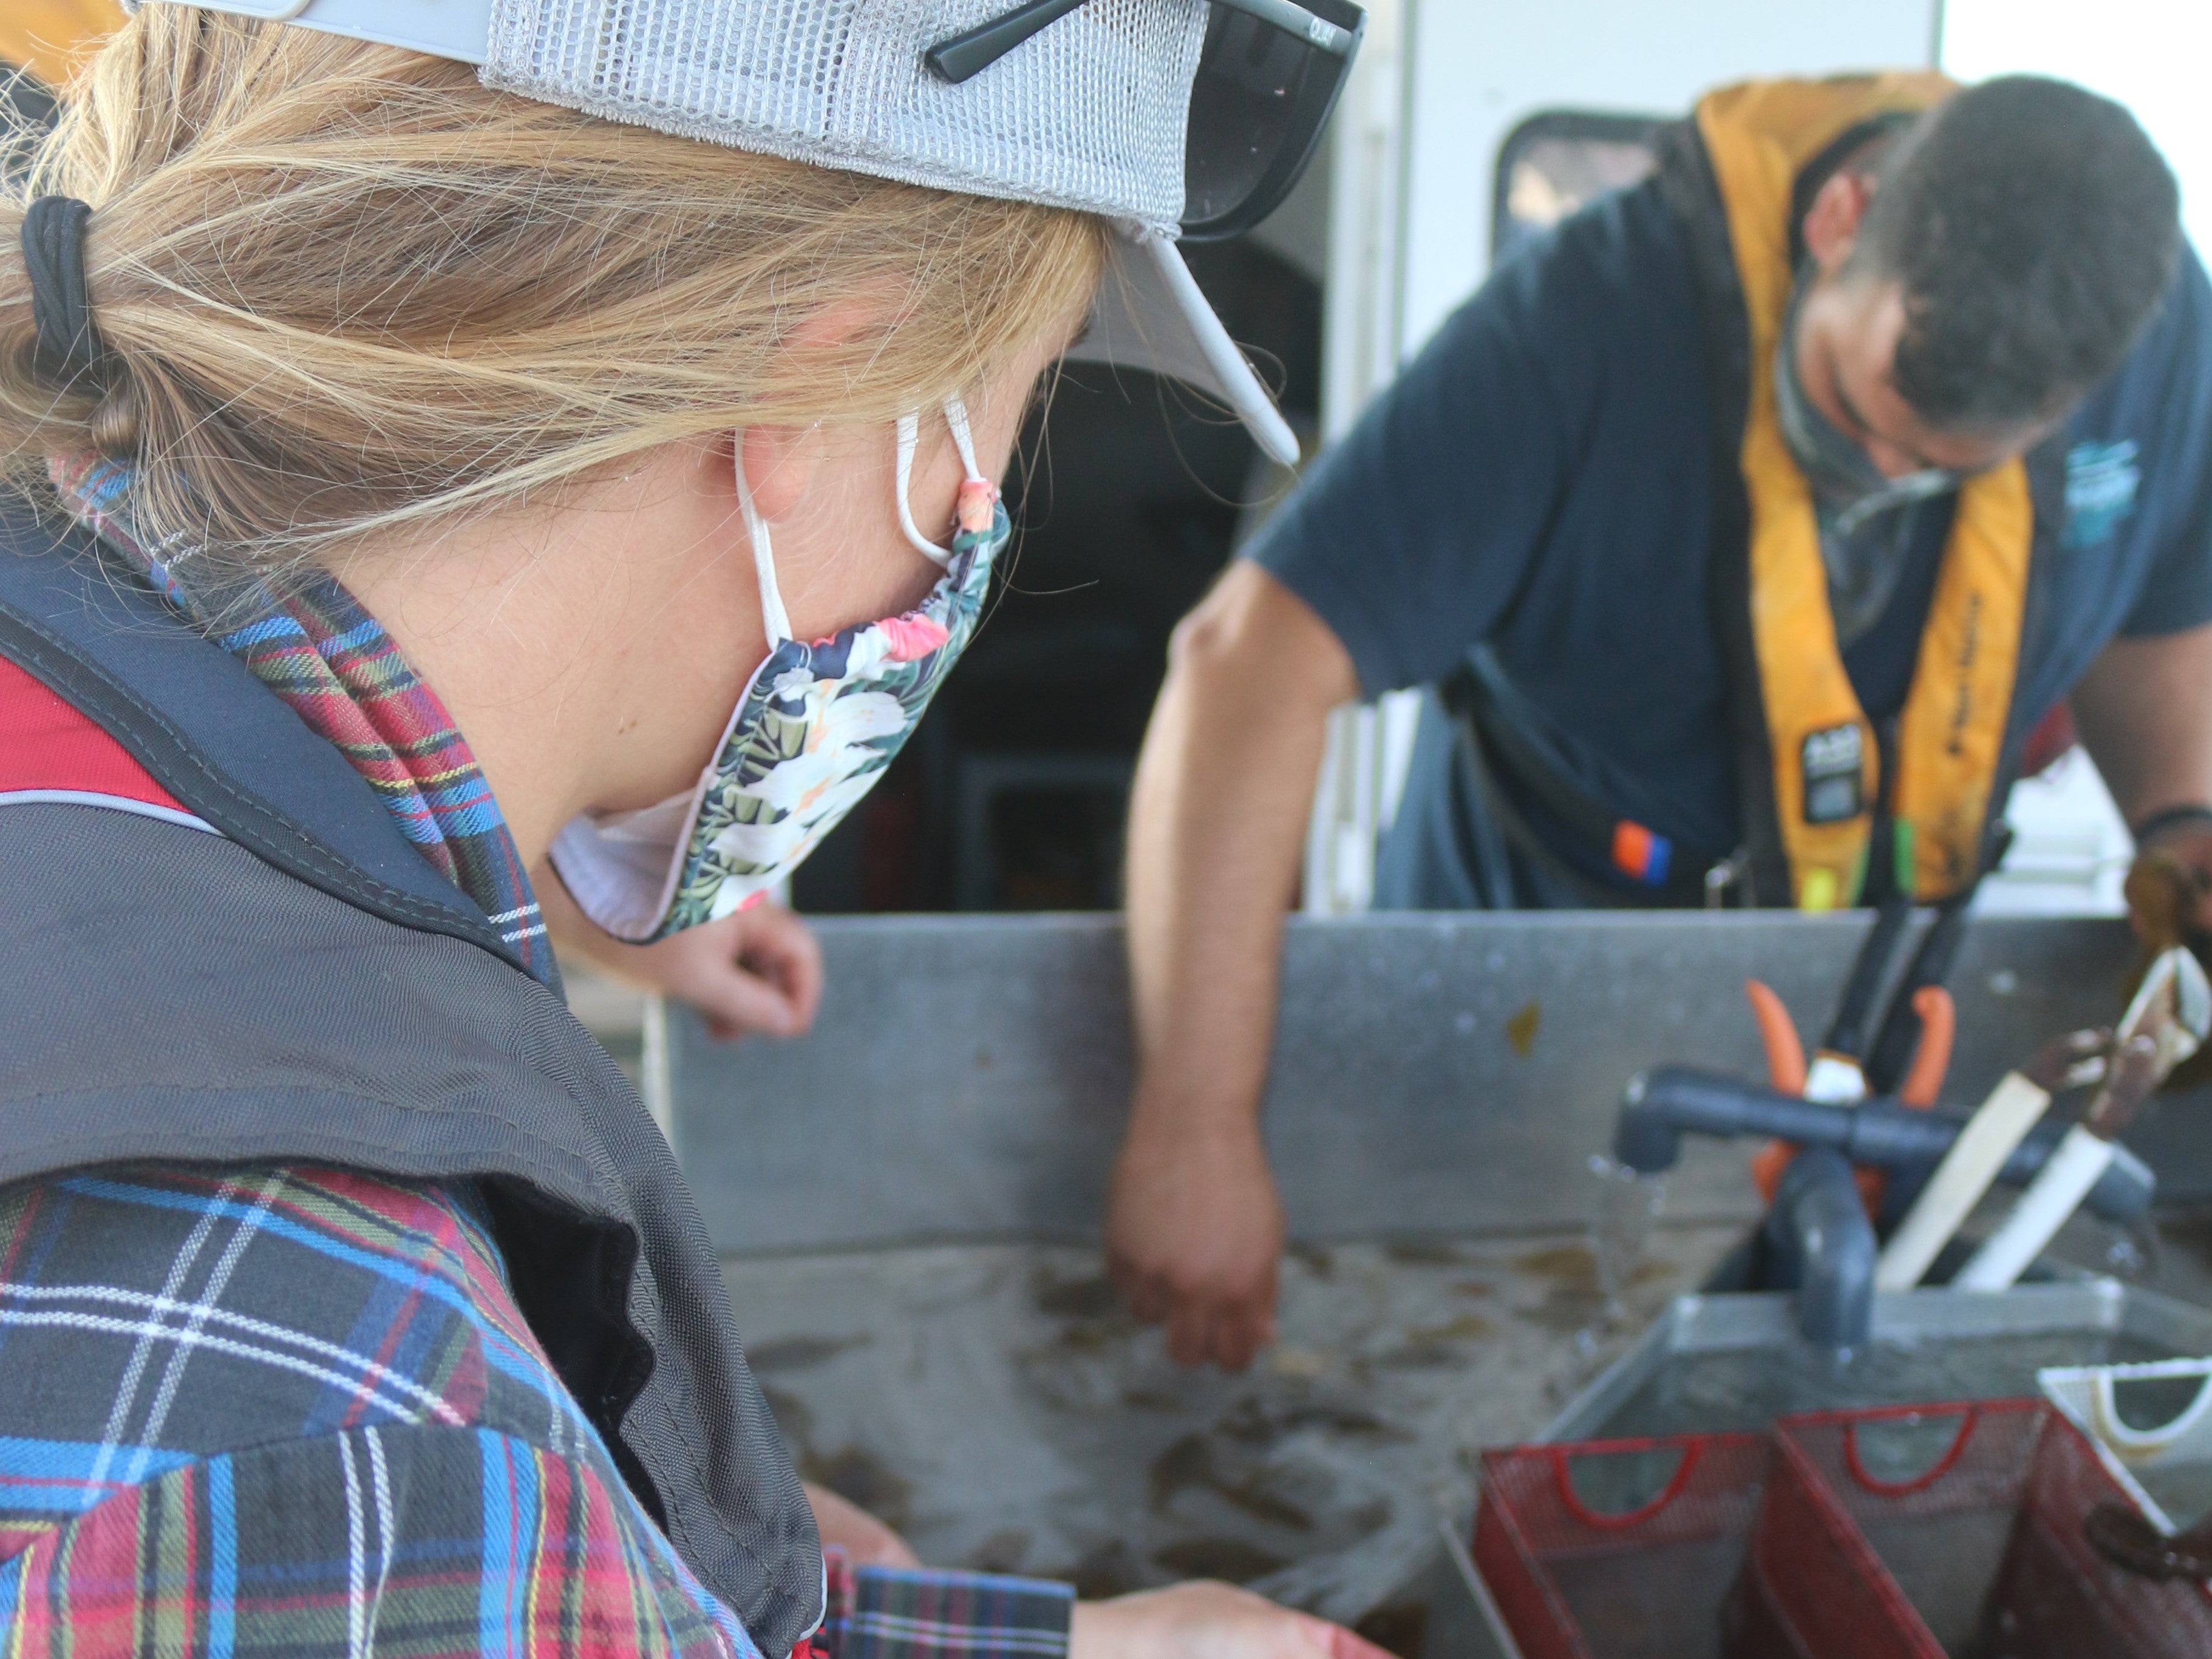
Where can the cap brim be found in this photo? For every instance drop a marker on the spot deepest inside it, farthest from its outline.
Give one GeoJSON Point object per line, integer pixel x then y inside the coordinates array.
{"type": "Point", "coordinates": [1151, 317]}
{"type": "Point", "coordinates": [1149, 314]}
{"type": "Point", "coordinates": [459, 30]}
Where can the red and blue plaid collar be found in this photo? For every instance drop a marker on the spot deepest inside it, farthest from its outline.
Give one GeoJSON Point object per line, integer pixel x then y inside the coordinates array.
{"type": "Point", "coordinates": [311, 643]}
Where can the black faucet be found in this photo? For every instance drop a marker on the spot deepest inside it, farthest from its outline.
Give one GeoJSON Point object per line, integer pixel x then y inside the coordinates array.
{"type": "Point", "coordinates": [1817, 1234]}
{"type": "Point", "coordinates": [1820, 1245]}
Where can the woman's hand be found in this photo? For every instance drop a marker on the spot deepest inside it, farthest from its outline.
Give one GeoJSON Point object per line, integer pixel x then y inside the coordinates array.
{"type": "Point", "coordinates": [759, 971]}
{"type": "Point", "coordinates": [1207, 1621]}
{"type": "Point", "coordinates": [867, 1541]}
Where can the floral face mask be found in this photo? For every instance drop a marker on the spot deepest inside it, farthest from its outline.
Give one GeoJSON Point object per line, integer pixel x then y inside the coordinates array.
{"type": "Point", "coordinates": [816, 727]}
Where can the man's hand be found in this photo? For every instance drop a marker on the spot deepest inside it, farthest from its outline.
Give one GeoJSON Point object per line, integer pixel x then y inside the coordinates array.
{"type": "Point", "coordinates": [2144, 711]}
{"type": "Point", "coordinates": [867, 1541]}
{"type": "Point", "coordinates": [2170, 902]}
{"type": "Point", "coordinates": [1207, 1621]}
{"type": "Point", "coordinates": [2170, 887]}
{"type": "Point", "coordinates": [1193, 1234]}
{"type": "Point", "coordinates": [1217, 820]}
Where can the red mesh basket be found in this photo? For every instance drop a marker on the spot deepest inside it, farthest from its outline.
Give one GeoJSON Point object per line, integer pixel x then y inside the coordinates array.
{"type": "Point", "coordinates": [1578, 1577]}
{"type": "Point", "coordinates": [1970, 1542]}
{"type": "Point", "coordinates": [1754, 1624]}
{"type": "Point", "coordinates": [2057, 1595]}
{"type": "Point", "coordinates": [1879, 1549]}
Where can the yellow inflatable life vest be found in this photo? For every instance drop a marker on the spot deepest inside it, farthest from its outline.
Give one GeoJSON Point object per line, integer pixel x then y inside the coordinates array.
{"type": "Point", "coordinates": [49, 37]}
{"type": "Point", "coordinates": [1951, 735]}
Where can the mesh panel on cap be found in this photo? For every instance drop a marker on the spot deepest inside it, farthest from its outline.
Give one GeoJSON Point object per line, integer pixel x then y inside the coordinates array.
{"type": "Point", "coordinates": [1089, 113]}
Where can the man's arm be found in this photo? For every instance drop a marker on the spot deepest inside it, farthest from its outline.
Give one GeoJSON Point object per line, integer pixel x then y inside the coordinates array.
{"type": "Point", "coordinates": [1224, 787]}
{"type": "Point", "coordinates": [2144, 711]}
{"type": "Point", "coordinates": [1404, 544]}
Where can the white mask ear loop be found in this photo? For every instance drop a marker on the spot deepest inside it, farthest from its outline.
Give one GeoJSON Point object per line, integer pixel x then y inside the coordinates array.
{"type": "Point", "coordinates": [955, 417]}
{"type": "Point", "coordinates": [910, 430]}
{"type": "Point", "coordinates": [909, 433]}
{"type": "Point", "coordinates": [774, 617]}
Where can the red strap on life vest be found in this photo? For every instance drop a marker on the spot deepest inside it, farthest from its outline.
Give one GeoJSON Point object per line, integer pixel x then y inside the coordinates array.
{"type": "Point", "coordinates": [47, 747]}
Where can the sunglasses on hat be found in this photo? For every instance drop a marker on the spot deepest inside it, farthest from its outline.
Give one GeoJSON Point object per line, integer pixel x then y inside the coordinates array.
{"type": "Point", "coordinates": [1268, 75]}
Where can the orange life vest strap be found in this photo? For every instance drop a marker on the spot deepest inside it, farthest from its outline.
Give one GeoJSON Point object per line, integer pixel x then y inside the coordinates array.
{"type": "Point", "coordinates": [1826, 764]}
{"type": "Point", "coordinates": [49, 37]}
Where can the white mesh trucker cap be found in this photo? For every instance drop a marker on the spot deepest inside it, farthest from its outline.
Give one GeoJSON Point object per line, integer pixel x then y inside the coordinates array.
{"type": "Point", "coordinates": [1088, 112]}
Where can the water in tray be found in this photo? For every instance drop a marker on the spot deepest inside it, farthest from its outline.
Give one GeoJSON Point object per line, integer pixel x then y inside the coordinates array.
{"type": "Point", "coordinates": [1746, 1389]}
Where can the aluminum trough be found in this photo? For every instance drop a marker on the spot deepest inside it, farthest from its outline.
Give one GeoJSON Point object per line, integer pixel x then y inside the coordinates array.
{"type": "Point", "coordinates": [1439, 1078]}
{"type": "Point", "coordinates": [2099, 1318]}
{"type": "Point", "coordinates": [968, 1076]}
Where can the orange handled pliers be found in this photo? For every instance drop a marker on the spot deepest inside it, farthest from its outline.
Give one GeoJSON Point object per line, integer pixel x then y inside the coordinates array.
{"type": "Point", "coordinates": [1786, 1070]}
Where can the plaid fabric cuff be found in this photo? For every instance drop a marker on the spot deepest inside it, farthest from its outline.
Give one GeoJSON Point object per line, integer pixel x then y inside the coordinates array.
{"type": "Point", "coordinates": [885, 1612]}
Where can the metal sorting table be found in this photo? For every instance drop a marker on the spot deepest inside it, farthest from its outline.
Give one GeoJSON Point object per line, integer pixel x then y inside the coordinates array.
{"type": "Point", "coordinates": [969, 1075]}
{"type": "Point", "coordinates": [908, 1202]}
{"type": "Point", "coordinates": [996, 1402]}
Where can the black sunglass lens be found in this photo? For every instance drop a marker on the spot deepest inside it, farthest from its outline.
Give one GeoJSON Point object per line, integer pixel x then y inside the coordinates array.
{"type": "Point", "coordinates": [1242, 105]}
{"type": "Point", "coordinates": [1256, 108]}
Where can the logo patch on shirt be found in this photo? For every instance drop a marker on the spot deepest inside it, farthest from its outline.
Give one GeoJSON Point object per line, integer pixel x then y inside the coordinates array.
{"type": "Point", "coordinates": [1833, 761]}
{"type": "Point", "coordinates": [2102, 481]}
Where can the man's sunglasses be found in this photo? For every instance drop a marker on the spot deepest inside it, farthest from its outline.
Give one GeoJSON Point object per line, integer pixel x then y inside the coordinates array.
{"type": "Point", "coordinates": [1268, 75]}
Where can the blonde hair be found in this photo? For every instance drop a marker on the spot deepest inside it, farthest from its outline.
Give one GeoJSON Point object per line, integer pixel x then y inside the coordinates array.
{"type": "Point", "coordinates": [344, 289]}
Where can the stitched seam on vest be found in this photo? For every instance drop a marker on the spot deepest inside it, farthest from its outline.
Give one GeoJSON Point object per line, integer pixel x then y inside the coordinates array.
{"type": "Point", "coordinates": [684, 1535]}
{"type": "Point", "coordinates": [341, 878]}
{"type": "Point", "coordinates": [320, 1091]}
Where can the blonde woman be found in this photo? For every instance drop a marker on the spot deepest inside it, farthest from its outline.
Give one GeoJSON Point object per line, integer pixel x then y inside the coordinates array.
{"type": "Point", "coordinates": [463, 452]}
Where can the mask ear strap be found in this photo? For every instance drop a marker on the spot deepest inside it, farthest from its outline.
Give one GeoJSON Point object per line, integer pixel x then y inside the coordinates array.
{"type": "Point", "coordinates": [774, 619]}
{"type": "Point", "coordinates": [910, 430]}
{"type": "Point", "coordinates": [955, 417]}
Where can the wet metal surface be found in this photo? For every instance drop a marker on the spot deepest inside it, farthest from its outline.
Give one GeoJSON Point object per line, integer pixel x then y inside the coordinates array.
{"type": "Point", "coordinates": [1443, 1074]}
{"type": "Point", "coordinates": [1736, 1362]}
{"type": "Point", "coordinates": [996, 1403]}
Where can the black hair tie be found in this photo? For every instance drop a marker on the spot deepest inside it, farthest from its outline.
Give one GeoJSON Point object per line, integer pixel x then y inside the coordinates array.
{"type": "Point", "coordinates": [53, 252]}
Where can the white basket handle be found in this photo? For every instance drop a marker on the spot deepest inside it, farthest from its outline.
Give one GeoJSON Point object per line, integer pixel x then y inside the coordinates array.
{"type": "Point", "coordinates": [2134, 1443]}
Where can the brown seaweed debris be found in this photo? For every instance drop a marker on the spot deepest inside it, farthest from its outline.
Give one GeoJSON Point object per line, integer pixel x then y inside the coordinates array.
{"type": "Point", "coordinates": [1400, 1628]}
{"type": "Point", "coordinates": [1077, 1299]}
{"type": "Point", "coordinates": [801, 1352]}
{"type": "Point", "coordinates": [791, 1416]}
{"type": "Point", "coordinates": [1189, 1464]}
{"type": "Point", "coordinates": [858, 1475]}
{"type": "Point", "coordinates": [1228, 1558]}
{"type": "Point", "coordinates": [1424, 1252]}
{"type": "Point", "coordinates": [1571, 1265]}
{"type": "Point", "coordinates": [1003, 1551]}
{"type": "Point", "coordinates": [1259, 1424]}
{"type": "Point", "coordinates": [1428, 1346]}
{"type": "Point", "coordinates": [1105, 1572]}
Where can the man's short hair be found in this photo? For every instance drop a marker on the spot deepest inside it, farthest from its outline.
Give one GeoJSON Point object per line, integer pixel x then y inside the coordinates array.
{"type": "Point", "coordinates": [2033, 227]}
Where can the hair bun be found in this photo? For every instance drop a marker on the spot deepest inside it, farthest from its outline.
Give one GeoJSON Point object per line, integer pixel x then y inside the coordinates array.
{"type": "Point", "coordinates": [115, 421]}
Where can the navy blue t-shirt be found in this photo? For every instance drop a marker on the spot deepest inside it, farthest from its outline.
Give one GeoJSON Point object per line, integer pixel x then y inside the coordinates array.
{"type": "Point", "coordinates": [1540, 478]}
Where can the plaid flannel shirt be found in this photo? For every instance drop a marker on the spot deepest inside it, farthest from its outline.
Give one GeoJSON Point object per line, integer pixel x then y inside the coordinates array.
{"type": "Point", "coordinates": [298, 1411]}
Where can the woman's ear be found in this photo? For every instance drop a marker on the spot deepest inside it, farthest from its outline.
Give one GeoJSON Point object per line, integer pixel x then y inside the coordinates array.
{"type": "Point", "coordinates": [778, 463]}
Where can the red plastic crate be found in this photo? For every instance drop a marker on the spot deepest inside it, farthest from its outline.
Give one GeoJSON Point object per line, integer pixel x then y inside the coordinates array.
{"type": "Point", "coordinates": [1979, 1551]}
{"type": "Point", "coordinates": [1576, 1582]}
